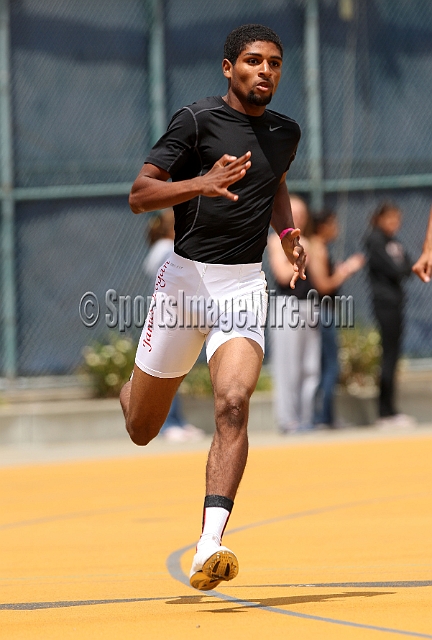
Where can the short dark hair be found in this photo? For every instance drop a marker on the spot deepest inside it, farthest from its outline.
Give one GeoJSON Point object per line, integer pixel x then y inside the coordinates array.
{"type": "Point", "coordinates": [244, 35]}
{"type": "Point", "coordinates": [381, 210]}
{"type": "Point", "coordinates": [322, 217]}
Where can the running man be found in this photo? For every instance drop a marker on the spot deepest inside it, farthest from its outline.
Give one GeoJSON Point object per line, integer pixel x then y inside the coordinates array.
{"type": "Point", "coordinates": [423, 266]}
{"type": "Point", "coordinates": [227, 158]}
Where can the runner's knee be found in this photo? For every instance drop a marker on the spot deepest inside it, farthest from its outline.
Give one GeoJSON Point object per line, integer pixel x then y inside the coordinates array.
{"type": "Point", "coordinates": [140, 432]}
{"type": "Point", "coordinates": [231, 408]}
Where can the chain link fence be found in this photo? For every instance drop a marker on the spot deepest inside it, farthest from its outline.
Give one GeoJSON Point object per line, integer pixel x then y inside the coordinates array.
{"type": "Point", "coordinates": [90, 84]}
{"type": "Point", "coordinates": [78, 91]}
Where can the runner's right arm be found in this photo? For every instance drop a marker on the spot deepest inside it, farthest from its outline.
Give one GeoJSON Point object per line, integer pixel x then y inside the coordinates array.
{"type": "Point", "coordinates": [151, 189]}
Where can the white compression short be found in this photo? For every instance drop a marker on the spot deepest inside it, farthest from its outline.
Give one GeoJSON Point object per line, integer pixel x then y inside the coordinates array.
{"type": "Point", "coordinates": [193, 302]}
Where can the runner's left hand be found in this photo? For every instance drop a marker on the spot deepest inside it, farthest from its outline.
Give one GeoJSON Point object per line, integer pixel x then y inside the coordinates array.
{"type": "Point", "coordinates": [295, 254]}
{"type": "Point", "coordinates": [423, 266]}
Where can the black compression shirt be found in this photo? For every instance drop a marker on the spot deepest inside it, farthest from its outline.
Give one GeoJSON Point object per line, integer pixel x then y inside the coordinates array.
{"type": "Point", "coordinates": [217, 230]}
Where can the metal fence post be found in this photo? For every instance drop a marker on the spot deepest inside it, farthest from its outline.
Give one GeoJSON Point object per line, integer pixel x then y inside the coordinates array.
{"type": "Point", "coordinates": [7, 199]}
{"type": "Point", "coordinates": [313, 102]}
{"type": "Point", "coordinates": [156, 70]}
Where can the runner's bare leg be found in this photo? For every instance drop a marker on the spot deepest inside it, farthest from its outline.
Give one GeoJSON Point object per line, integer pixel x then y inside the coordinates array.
{"type": "Point", "coordinates": [234, 371]}
{"type": "Point", "coordinates": [146, 401]}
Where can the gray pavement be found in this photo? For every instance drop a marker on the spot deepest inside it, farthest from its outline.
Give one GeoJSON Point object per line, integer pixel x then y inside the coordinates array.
{"type": "Point", "coordinates": [51, 420]}
{"type": "Point", "coordinates": [44, 452]}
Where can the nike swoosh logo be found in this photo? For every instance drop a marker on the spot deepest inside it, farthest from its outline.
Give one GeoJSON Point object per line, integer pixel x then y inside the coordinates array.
{"type": "Point", "coordinates": [274, 128]}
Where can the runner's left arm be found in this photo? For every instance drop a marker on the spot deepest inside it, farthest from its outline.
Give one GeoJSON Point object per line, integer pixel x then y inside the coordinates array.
{"type": "Point", "coordinates": [282, 219]}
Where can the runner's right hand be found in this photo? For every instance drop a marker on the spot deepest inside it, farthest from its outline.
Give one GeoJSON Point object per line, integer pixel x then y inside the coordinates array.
{"type": "Point", "coordinates": [225, 172]}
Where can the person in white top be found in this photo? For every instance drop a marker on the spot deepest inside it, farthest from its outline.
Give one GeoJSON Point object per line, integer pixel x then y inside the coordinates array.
{"type": "Point", "coordinates": [160, 237]}
{"type": "Point", "coordinates": [295, 335]}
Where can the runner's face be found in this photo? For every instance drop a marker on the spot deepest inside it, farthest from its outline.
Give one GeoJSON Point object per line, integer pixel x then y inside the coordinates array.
{"type": "Point", "coordinates": [255, 75]}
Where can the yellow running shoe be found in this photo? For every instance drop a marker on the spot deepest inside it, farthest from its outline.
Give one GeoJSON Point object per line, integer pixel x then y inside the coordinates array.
{"type": "Point", "coordinates": [211, 565]}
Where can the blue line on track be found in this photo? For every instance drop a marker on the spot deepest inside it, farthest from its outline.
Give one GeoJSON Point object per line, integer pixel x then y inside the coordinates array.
{"type": "Point", "coordinates": [410, 584]}
{"type": "Point", "coordinates": [175, 570]}
{"type": "Point", "coordinates": [31, 606]}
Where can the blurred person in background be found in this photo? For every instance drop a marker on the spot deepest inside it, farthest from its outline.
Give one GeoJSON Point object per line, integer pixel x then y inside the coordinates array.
{"type": "Point", "coordinates": [388, 265]}
{"type": "Point", "coordinates": [295, 340]}
{"type": "Point", "coordinates": [423, 266]}
{"type": "Point", "coordinates": [327, 279]}
{"type": "Point", "coordinates": [160, 238]}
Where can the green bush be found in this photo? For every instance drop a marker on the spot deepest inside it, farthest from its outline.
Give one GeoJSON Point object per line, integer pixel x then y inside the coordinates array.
{"type": "Point", "coordinates": [109, 365]}
{"type": "Point", "coordinates": [197, 381]}
{"type": "Point", "coordinates": [359, 359]}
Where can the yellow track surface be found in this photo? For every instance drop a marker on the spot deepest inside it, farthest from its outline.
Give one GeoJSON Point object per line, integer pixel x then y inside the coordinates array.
{"type": "Point", "coordinates": [334, 540]}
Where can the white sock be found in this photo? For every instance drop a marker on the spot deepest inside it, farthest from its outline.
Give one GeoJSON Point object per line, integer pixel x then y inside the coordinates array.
{"type": "Point", "coordinates": [217, 510]}
{"type": "Point", "coordinates": [215, 520]}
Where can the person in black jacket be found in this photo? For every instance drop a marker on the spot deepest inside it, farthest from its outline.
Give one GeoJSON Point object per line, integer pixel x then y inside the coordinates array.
{"type": "Point", "coordinates": [389, 265]}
